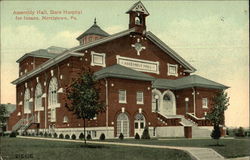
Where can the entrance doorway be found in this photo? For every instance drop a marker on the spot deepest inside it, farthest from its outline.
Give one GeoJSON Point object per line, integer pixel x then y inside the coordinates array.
{"type": "Point", "coordinates": [122, 125]}
{"type": "Point", "coordinates": [139, 123]}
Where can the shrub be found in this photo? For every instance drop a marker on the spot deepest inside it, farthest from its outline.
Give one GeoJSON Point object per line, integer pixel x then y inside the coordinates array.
{"type": "Point", "coordinates": [137, 136]}
{"type": "Point", "coordinates": [61, 136]}
{"type": "Point", "coordinates": [240, 132]}
{"type": "Point", "coordinates": [81, 136]}
{"type": "Point", "coordinates": [29, 134]}
{"type": "Point", "coordinates": [67, 136]}
{"type": "Point", "coordinates": [45, 134]}
{"type": "Point", "coordinates": [73, 137]}
{"type": "Point", "coordinates": [89, 137]}
{"type": "Point", "coordinates": [121, 137]}
{"type": "Point", "coordinates": [102, 137]}
{"type": "Point", "coordinates": [145, 134]}
{"type": "Point", "coordinates": [49, 135]}
{"type": "Point", "coordinates": [13, 134]}
{"type": "Point", "coordinates": [41, 133]}
{"type": "Point", "coordinates": [33, 134]}
{"type": "Point", "coordinates": [55, 135]}
{"type": "Point", "coordinates": [216, 132]}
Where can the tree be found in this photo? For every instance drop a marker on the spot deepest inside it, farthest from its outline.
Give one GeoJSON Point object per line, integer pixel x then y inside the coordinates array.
{"type": "Point", "coordinates": [145, 134]}
{"type": "Point", "coordinates": [84, 98]}
{"type": "Point", "coordinates": [220, 102]}
{"type": "Point", "coordinates": [3, 118]}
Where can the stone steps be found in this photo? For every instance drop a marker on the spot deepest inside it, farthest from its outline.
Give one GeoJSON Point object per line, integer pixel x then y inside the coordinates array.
{"type": "Point", "coordinates": [205, 154]}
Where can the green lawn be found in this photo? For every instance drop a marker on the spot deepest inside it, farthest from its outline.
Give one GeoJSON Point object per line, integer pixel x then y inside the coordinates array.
{"type": "Point", "coordinates": [52, 150]}
{"type": "Point", "coordinates": [229, 148]}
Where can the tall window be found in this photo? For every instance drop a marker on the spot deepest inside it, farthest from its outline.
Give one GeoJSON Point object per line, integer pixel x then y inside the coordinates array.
{"type": "Point", "coordinates": [122, 125]}
{"type": "Point", "coordinates": [122, 96]}
{"type": "Point", "coordinates": [204, 103]}
{"type": "Point", "coordinates": [38, 97]}
{"type": "Point", "coordinates": [139, 98]}
{"type": "Point", "coordinates": [27, 108]}
{"type": "Point", "coordinates": [53, 86]}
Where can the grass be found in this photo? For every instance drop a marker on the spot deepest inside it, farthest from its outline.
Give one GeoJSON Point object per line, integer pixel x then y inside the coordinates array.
{"type": "Point", "coordinates": [15, 148]}
{"type": "Point", "coordinates": [228, 148]}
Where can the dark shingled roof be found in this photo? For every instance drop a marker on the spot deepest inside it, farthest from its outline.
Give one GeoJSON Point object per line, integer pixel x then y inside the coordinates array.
{"type": "Point", "coordinates": [94, 30]}
{"type": "Point", "coordinates": [50, 52]}
{"type": "Point", "coordinates": [118, 71]}
{"type": "Point", "coordinates": [187, 82]}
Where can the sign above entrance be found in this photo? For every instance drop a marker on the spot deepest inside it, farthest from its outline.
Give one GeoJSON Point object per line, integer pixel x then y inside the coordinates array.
{"type": "Point", "coordinates": [138, 64]}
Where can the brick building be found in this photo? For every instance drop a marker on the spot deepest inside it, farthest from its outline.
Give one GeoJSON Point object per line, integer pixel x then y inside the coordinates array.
{"type": "Point", "coordinates": [146, 84]}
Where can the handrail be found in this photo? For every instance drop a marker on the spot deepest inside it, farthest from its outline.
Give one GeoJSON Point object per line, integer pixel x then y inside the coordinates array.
{"type": "Point", "coordinates": [198, 121]}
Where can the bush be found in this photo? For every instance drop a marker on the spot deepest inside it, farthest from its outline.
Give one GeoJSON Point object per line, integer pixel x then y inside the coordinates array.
{"type": "Point", "coordinates": [67, 136]}
{"type": "Point", "coordinates": [81, 136]}
{"type": "Point", "coordinates": [137, 136]}
{"type": "Point", "coordinates": [89, 137]}
{"type": "Point", "coordinates": [33, 134]}
{"type": "Point", "coordinates": [13, 134]}
{"type": "Point", "coordinates": [216, 132]}
{"type": "Point", "coordinates": [50, 135]}
{"type": "Point", "coordinates": [29, 134]}
{"type": "Point", "coordinates": [73, 137]}
{"type": "Point", "coordinates": [240, 132]}
{"type": "Point", "coordinates": [55, 135]}
{"type": "Point", "coordinates": [45, 134]}
{"type": "Point", "coordinates": [41, 133]}
{"type": "Point", "coordinates": [145, 134]}
{"type": "Point", "coordinates": [102, 137]}
{"type": "Point", "coordinates": [121, 137]}
{"type": "Point", "coordinates": [61, 136]}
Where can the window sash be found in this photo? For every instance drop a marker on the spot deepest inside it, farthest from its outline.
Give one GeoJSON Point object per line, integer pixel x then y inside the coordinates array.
{"type": "Point", "coordinates": [122, 96]}
{"type": "Point", "coordinates": [204, 103]}
{"type": "Point", "coordinates": [139, 98]}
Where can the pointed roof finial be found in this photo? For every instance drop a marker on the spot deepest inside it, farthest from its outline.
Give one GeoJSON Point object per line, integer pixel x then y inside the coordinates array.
{"type": "Point", "coordinates": [95, 21]}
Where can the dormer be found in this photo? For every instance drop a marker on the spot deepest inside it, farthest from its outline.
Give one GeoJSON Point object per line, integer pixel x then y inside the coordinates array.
{"type": "Point", "coordinates": [92, 34]}
{"type": "Point", "coordinates": [137, 17]}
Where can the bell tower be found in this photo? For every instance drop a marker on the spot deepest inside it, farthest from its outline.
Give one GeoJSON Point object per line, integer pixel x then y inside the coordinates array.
{"type": "Point", "coordinates": [137, 17]}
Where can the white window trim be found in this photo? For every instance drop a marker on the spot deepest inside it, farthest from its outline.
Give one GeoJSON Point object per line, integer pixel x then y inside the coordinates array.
{"type": "Point", "coordinates": [140, 102]}
{"type": "Point", "coordinates": [125, 101]}
{"type": "Point", "coordinates": [172, 74]}
{"type": "Point", "coordinates": [205, 106]}
{"type": "Point", "coordinates": [98, 54]}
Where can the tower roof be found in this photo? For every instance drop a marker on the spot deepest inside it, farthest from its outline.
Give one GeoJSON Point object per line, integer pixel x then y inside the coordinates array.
{"type": "Point", "coordinates": [94, 30]}
{"type": "Point", "coordinates": [138, 7]}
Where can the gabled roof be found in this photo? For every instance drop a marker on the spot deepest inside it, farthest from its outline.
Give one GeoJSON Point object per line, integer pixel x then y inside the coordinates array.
{"type": "Point", "coordinates": [68, 53]}
{"type": "Point", "coordinates": [118, 71]}
{"type": "Point", "coordinates": [170, 52]}
{"type": "Point", "coordinates": [187, 82]}
{"type": "Point", "coordinates": [50, 52]}
{"type": "Point", "coordinates": [138, 7]}
{"type": "Point", "coordinates": [94, 30]}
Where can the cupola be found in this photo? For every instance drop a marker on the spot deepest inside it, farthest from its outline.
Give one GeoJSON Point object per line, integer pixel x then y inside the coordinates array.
{"type": "Point", "coordinates": [92, 34]}
{"type": "Point", "coordinates": [137, 17]}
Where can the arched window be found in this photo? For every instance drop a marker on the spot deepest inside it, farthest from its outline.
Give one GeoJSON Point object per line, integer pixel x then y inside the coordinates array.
{"type": "Point", "coordinates": [137, 20]}
{"type": "Point", "coordinates": [123, 125]}
{"type": "Point", "coordinates": [166, 97]}
{"type": "Point", "coordinates": [52, 95]}
{"type": "Point", "coordinates": [65, 119]}
{"type": "Point", "coordinates": [27, 108]}
{"type": "Point", "coordinates": [38, 97]}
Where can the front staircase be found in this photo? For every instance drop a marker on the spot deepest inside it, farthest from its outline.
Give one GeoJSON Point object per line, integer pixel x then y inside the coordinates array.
{"type": "Point", "coordinates": [24, 123]}
{"type": "Point", "coordinates": [181, 120]}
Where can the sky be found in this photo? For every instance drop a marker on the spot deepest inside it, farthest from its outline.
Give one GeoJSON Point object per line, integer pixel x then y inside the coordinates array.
{"type": "Point", "coordinates": [210, 35]}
